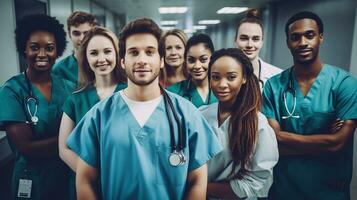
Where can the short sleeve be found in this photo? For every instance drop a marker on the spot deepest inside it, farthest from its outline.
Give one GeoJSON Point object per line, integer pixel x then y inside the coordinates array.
{"type": "Point", "coordinates": [69, 108]}
{"type": "Point", "coordinates": [84, 139]}
{"type": "Point", "coordinates": [203, 142]}
{"type": "Point", "coordinates": [269, 107]}
{"type": "Point", "coordinates": [260, 177]}
{"type": "Point", "coordinates": [12, 108]}
{"type": "Point", "coordinates": [346, 98]}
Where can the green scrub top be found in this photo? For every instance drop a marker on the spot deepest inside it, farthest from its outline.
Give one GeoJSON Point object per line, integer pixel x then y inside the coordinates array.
{"type": "Point", "coordinates": [133, 161]}
{"type": "Point", "coordinates": [48, 175]}
{"type": "Point", "coordinates": [67, 68]}
{"type": "Point", "coordinates": [78, 104]}
{"type": "Point", "coordinates": [332, 95]}
{"type": "Point", "coordinates": [188, 90]}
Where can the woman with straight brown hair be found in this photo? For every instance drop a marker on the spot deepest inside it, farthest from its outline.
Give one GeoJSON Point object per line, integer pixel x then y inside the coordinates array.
{"type": "Point", "coordinates": [244, 168]}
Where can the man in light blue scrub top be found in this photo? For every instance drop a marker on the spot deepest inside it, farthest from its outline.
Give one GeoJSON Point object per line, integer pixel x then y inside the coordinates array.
{"type": "Point", "coordinates": [315, 145]}
{"type": "Point", "coordinates": [125, 140]}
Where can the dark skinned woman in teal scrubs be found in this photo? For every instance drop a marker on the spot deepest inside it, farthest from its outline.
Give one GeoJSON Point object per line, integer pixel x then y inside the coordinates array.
{"type": "Point", "coordinates": [32, 114]}
{"type": "Point", "coordinates": [196, 89]}
{"type": "Point", "coordinates": [101, 76]}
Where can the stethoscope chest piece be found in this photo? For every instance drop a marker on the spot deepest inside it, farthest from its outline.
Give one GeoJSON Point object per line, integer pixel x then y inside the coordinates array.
{"type": "Point", "coordinates": [34, 119]}
{"type": "Point", "coordinates": [177, 158]}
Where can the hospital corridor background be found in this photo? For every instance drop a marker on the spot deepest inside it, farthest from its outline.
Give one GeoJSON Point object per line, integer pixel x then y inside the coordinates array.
{"type": "Point", "coordinates": [339, 47]}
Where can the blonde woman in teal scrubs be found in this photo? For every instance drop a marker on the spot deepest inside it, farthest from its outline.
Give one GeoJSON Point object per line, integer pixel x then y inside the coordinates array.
{"type": "Point", "coordinates": [102, 76]}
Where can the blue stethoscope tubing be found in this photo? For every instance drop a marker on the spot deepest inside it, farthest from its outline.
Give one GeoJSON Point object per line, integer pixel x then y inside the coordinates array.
{"type": "Point", "coordinates": [289, 88]}
{"type": "Point", "coordinates": [176, 157]}
{"type": "Point", "coordinates": [30, 98]}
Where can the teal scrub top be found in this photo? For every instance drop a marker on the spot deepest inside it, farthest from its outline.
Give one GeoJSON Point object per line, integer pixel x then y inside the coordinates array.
{"type": "Point", "coordinates": [78, 104]}
{"type": "Point", "coordinates": [67, 68]}
{"type": "Point", "coordinates": [133, 160]}
{"type": "Point", "coordinates": [332, 95]}
{"type": "Point", "coordinates": [188, 91]}
{"type": "Point", "coordinates": [48, 175]}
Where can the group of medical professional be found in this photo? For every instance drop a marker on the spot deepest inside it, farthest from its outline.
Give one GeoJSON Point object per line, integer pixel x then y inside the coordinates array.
{"type": "Point", "coordinates": [158, 115]}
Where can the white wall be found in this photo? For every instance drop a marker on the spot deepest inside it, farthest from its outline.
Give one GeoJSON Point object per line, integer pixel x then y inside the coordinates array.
{"type": "Point", "coordinates": [61, 10]}
{"type": "Point", "coordinates": [109, 21]}
{"type": "Point", "coordinates": [81, 5]}
{"type": "Point", "coordinates": [9, 57]}
{"type": "Point", "coordinates": [9, 61]}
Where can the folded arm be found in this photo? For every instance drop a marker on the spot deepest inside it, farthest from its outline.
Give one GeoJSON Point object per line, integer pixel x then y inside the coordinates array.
{"type": "Point", "coordinates": [314, 144]}
{"type": "Point", "coordinates": [21, 135]}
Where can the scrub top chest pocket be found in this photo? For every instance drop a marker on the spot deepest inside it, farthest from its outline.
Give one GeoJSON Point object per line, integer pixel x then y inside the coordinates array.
{"type": "Point", "coordinates": [166, 174]}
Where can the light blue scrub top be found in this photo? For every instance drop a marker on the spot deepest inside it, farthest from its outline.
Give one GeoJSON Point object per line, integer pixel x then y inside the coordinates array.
{"type": "Point", "coordinates": [332, 95]}
{"type": "Point", "coordinates": [133, 160]}
{"type": "Point", "coordinates": [67, 68]}
{"type": "Point", "coordinates": [76, 106]}
{"type": "Point", "coordinates": [48, 175]}
{"type": "Point", "coordinates": [190, 93]}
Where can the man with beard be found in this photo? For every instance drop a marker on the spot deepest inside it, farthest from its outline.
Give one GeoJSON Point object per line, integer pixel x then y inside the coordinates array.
{"type": "Point", "coordinates": [312, 108]}
{"type": "Point", "coordinates": [143, 142]}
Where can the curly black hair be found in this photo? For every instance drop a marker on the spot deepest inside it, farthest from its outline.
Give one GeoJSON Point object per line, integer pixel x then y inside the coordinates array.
{"type": "Point", "coordinates": [39, 22]}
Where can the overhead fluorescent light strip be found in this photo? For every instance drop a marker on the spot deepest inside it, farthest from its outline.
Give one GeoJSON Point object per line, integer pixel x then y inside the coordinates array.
{"type": "Point", "coordinates": [189, 31]}
{"type": "Point", "coordinates": [169, 22]}
{"type": "Point", "coordinates": [209, 21]}
{"type": "Point", "coordinates": [172, 10]}
{"type": "Point", "coordinates": [200, 27]}
{"type": "Point", "coordinates": [231, 10]}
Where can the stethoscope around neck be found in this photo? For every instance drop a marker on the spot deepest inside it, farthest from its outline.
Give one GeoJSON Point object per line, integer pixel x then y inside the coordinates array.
{"type": "Point", "coordinates": [289, 89]}
{"type": "Point", "coordinates": [177, 156]}
{"type": "Point", "coordinates": [30, 98]}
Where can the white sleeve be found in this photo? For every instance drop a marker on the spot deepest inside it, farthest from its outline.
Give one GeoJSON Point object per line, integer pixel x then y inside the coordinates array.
{"type": "Point", "coordinates": [260, 177]}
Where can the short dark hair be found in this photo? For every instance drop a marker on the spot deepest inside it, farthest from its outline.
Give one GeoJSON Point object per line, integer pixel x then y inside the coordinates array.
{"type": "Point", "coordinates": [39, 22]}
{"type": "Point", "coordinates": [197, 39]}
{"type": "Point", "coordinates": [142, 25]}
{"type": "Point", "coordinates": [304, 15]}
{"type": "Point", "coordinates": [79, 17]}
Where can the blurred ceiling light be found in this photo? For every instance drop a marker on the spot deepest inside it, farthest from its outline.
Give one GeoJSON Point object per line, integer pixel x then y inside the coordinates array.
{"type": "Point", "coordinates": [171, 10]}
{"type": "Point", "coordinates": [169, 22]}
{"type": "Point", "coordinates": [189, 31]}
{"type": "Point", "coordinates": [200, 27]}
{"type": "Point", "coordinates": [209, 21]}
{"type": "Point", "coordinates": [166, 28]}
{"type": "Point", "coordinates": [231, 10]}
